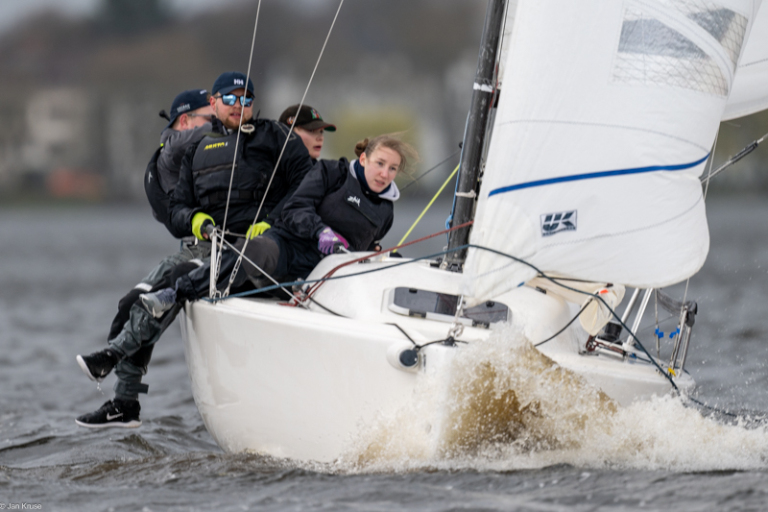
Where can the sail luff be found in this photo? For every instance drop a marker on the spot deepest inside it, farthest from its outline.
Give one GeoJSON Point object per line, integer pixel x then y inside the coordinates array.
{"type": "Point", "coordinates": [750, 88]}
{"type": "Point", "coordinates": [474, 136]}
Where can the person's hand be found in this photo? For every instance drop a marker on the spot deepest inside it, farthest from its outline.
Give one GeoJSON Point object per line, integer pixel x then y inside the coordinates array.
{"type": "Point", "coordinates": [328, 241]}
{"type": "Point", "coordinates": [257, 229]}
{"type": "Point", "coordinates": [200, 223]}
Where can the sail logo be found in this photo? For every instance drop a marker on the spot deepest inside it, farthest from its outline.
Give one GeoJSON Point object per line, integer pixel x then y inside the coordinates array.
{"type": "Point", "coordinates": [552, 223]}
{"type": "Point", "coordinates": [353, 199]}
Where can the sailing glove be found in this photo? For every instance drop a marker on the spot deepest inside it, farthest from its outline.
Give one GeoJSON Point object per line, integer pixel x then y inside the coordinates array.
{"type": "Point", "coordinates": [257, 229]}
{"type": "Point", "coordinates": [200, 223]}
{"type": "Point", "coordinates": [329, 240]}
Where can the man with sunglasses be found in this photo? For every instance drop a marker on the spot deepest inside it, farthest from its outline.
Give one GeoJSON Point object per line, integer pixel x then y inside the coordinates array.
{"type": "Point", "coordinates": [203, 193]}
{"type": "Point", "coordinates": [203, 196]}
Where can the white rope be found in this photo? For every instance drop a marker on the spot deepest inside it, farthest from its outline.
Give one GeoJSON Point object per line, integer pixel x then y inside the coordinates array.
{"type": "Point", "coordinates": [280, 156]}
{"type": "Point", "coordinates": [216, 262]}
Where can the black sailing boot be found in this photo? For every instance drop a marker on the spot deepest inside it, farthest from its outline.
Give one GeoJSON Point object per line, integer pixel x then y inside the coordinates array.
{"type": "Point", "coordinates": [114, 413]}
{"type": "Point", "coordinates": [98, 365]}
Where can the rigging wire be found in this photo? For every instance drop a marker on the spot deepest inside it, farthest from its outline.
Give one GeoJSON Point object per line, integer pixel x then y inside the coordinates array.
{"type": "Point", "coordinates": [246, 258]}
{"type": "Point", "coordinates": [242, 113]}
{"type": "Point", "coordinates": [282, 150]}
{"type": "Point", "coordinates": [429, 205]}
{"type": "Point", "coordinates": [314, 288]}
{"type": "Point", "coordinates": [237, 140]}
{"type": "Point", "coordinates": [706, 190]}
{"type": "Point", "coordinates": [738, 156]}
{"type": "Point", "coordinates": [428, 343]}
{"type": "Point", "coordinates": [431, 169]}
{"type": "Point", "coordinates": [558, 333]}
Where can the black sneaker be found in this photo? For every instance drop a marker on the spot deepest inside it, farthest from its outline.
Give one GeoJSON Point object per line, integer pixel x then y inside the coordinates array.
{"type": "Point", "coordinates": [114, 413]}
{"type": "Point", "coordinates": [98, 365]}
{"type": "Point", "coordinates": [159, 302]}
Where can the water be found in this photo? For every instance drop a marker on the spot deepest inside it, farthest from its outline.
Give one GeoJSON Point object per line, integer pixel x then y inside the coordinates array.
{"type": "Point", "coordinates": [62, 271]}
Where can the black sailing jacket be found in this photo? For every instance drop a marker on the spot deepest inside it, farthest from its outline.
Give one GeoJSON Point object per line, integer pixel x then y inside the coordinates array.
{"type": "Point", "coordinates": [206, 170]}
{"type": "Point", "coordinates": [332, 196]}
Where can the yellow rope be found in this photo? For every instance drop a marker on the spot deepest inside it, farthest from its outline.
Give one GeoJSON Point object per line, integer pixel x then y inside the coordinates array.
{"type": "Point", "coordinates": [428, 206]}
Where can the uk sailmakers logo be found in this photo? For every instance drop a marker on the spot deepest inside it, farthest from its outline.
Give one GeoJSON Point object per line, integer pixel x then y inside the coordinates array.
{"type": "Point", "coordinates": [552, 223]}
{"type": "Point", "coordinates": [354, 199]}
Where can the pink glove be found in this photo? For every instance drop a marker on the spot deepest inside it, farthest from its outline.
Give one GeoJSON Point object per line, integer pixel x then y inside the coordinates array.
{"type": "Point", "coordinates": [329, 240]}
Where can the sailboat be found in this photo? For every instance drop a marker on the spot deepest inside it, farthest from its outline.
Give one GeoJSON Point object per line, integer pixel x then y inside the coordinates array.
{"type": "Point", "coordinates": [580, 177]}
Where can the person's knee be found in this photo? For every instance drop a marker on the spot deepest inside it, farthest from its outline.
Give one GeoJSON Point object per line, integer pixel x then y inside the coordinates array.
{"type": "Point", "coordinates": [181, 270]}
{"type": "Point", "coordinates": [129, 299]}
{"type": "Point", "coordinates": [264, 252]}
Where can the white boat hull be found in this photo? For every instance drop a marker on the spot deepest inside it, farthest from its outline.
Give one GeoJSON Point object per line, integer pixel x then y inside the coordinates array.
{"type": "Point", "coordinates": [304, 384]}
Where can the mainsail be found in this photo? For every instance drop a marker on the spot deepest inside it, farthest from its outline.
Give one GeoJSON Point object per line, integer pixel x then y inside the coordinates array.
{"type": "Point", "coordinates": [605, 123]}
{"type": "Point", "coordinates": [750, 90]}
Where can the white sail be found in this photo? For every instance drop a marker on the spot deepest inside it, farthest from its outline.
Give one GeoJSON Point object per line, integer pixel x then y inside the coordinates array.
{"type": "Point", "coordinates": [605, 122]}
{"type": "Point", "coordinates": [750, 89]}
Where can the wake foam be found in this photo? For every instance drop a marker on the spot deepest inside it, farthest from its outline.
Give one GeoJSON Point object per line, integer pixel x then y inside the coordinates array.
{"type": "Point", "coordinates": [505, 406]}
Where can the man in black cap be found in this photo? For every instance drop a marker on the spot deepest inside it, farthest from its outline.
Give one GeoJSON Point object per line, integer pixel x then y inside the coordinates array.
{"type": "Point", "coordinates": [203, 196]}
{"type": "Point", "coordinates": [189, 121]}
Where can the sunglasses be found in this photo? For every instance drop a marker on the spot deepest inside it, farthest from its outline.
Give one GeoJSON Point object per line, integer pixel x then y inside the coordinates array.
{"type": "Point", "coordinates": [231, 99]}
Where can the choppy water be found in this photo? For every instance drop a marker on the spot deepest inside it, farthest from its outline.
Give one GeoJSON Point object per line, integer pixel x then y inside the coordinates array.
{"type": "Point", "coordinates": [63, 270]}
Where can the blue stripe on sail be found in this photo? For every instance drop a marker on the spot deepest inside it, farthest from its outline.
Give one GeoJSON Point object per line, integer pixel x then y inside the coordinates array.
{"type": "Point", "coordinates": [592, 175]}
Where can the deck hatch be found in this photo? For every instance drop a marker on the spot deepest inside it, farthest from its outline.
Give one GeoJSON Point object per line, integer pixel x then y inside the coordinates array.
{"type": "Point", "coordinates": [442, 307]}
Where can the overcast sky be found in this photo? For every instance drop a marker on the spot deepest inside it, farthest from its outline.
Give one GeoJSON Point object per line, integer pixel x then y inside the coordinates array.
{"type": "Point", "coordinates": [12, 11]}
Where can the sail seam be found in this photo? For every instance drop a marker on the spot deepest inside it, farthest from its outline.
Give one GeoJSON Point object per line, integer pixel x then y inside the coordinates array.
{"type": "Point", "coordinates": [605, 125]}
{"type": "Point", "coordinates": [746, 65]}
{"type": "Point", "coordinates": [594, 175]}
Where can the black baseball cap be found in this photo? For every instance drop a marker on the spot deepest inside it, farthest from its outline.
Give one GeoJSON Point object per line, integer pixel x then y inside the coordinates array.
{"type": "Point", "coordinates": [188, 101]}
{"type": "Point", "coordinates": [229, 81]}
{"type": "Point", "coordinates": [307, 118]}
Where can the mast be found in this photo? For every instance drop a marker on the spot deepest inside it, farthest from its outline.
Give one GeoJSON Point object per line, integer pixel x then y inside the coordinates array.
{"type": "Point", "coordinates": [474, 135]}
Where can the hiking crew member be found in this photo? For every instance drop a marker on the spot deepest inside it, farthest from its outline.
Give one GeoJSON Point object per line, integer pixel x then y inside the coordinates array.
{"type": "Point", "coordinates": [189, 121]}
{"type": "Point", "coordinates": [200, 198]}
{"type": "Point", "coordinates": [337, 204]}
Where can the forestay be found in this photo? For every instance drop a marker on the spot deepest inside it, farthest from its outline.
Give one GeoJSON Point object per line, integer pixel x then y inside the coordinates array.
{"type": "Point", "coordinates": [750, 90]}
{"type": "Point", "coordinates": [606, 119]}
